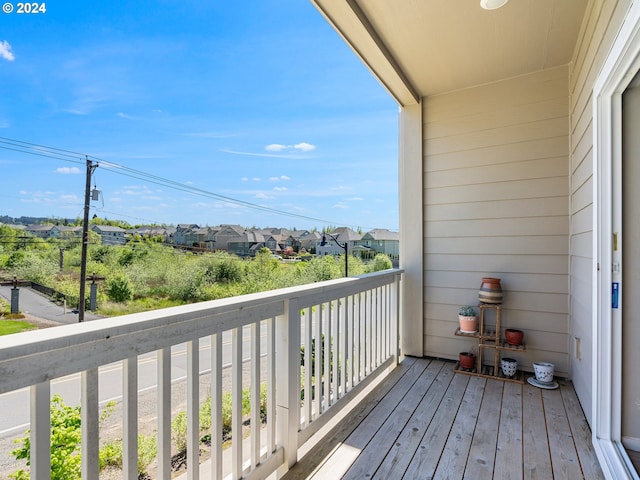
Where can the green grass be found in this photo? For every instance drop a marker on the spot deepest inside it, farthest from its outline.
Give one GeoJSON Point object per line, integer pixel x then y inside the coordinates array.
{"type": "Point", "coordinates": [7, 327]}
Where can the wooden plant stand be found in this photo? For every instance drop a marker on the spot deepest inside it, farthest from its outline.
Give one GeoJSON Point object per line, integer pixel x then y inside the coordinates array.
{"type": "Point", "coordinates": [490, 339]}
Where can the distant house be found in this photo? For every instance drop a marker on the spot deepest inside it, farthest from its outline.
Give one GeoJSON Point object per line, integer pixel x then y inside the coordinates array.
{"type": "Point", "coordinates": [43, 231]}
{"type": "Point", "coordinates": [185, 234]}
{"type": "Point", "coordinates": [226, 234]}
{"type": "Point", "coordinates": [110, 235]}
{"type": "Point", "coordinates": [305, 239]}
{"type": "Point", "coordinates": [344, 235]}
{"type": "Point", "coordinates": [247, 244]}
{"type": "Point", "coordinates": [69, 231]}
{"type": "Point", "coordinates": [381, 240]}
{"type": "Point", "coordinates": [206, 237]}
{"type": "Point", "coordinates": [274, 243]}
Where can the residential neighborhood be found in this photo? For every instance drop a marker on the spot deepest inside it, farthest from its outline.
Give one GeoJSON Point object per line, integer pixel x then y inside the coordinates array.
{"type": "Point", "coordinates": [241, 241]}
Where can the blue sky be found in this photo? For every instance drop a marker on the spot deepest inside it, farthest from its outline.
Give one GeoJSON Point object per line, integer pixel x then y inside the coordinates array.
{"type": "Point", "coordinates": [259, 101]}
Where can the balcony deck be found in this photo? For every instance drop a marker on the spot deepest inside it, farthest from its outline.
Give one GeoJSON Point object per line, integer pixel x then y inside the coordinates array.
{"type": "Point", "coordinates": [425, 421]}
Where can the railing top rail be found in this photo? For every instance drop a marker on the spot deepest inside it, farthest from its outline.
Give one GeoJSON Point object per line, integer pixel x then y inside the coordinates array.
{"type": "Point", "coordinates": [73, 348]}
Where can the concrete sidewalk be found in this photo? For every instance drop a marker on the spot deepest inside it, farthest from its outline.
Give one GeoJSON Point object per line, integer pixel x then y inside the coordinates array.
{"type": "Point", "coordinates": [40, 306]}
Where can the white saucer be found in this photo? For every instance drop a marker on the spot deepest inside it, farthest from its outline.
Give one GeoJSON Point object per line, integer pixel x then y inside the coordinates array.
{"type": "Point", "coordinates": [549, 386]}
{"type": "Point", "coordinates": [468, 331]}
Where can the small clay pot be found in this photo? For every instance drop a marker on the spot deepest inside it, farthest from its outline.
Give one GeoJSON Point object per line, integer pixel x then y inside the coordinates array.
{"type": "Point", "coordinates": [467, 360]}
{"type": "Point", "coordinates": [468, 324]}
{"type": "Point", "coordinates": [490, 291]}
{"type": "Point", "coordinates": [513, 337]}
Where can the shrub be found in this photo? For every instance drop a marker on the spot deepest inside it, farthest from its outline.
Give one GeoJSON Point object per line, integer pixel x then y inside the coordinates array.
{"type": "Point", "coordinates": [119, 289]}
{"type": "Point", "coordinates": [65, 442]}
{"type": "Point", "coordinates": [111, 454]}
{"type": "Point", "coordinates": [179, 432]}
{"type": "Point", "coordinates": [380, 262]}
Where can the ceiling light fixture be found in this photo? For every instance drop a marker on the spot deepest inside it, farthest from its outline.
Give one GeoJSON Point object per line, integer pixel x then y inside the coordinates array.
{"type": "Point", "coordinates": [492, 4]}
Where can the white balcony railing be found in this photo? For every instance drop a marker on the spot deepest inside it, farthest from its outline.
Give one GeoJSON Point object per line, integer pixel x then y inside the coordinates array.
{"type": "Point", "coordinates": [348, 328]}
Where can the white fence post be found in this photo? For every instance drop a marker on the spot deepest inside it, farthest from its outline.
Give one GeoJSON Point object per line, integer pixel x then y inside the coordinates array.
{"type": "Point", "coordinates": [41, 431]}
{"type": "Point", "coordinates": [90, 424]}
{"type": "Point", "coordinates": [288, 381]}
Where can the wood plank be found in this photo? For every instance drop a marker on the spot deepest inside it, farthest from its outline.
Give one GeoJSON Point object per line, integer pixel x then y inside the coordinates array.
{"type": "Point", "coordinates": [402, 451]}
{"type": "Point", "coordinates": [426, 458]}
{"type": "Point", "coordinates": [509, 452]}
{"type": "Point", "coordinates": [456, 450]}
{"type": "Point", "coordinates": [564, 458]}
{"type": "Point", "coordinates": [321, 456]}
{"type": "Point", "coordinates": [536, 458]}
{"type": "Point", "coordinates": [483, 446]}
{"type": "Point", "coordinates": [502, 433]}
{"type": "Point", "coordinates": [386, 435]}
{"type": "Point", "coordinates": [581, 434]}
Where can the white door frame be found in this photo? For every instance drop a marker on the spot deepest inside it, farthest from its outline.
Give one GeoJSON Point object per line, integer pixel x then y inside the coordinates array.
{"type": "Point", "coordinates": [621, 65]}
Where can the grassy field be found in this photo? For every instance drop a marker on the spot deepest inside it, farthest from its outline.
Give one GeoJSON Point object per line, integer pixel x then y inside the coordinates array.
{"type": "Point", "coordinates": [8, 327]}
{"type": "Point", "coordinates": [10, 323]}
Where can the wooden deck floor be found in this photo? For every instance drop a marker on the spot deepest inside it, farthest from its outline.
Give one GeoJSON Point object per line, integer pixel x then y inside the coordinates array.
{"type": "Point", "coordinates": [425, 421]}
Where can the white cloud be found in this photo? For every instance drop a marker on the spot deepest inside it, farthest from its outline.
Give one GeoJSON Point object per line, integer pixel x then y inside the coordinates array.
{"type": "Point", "coordinates": [354, 199]}
{"type": "Point", "coordinates": [280, 189]}
{"type": "Point", "coordinates": [256, 179]}
{"type": "Point", "coordinates": [275, 147]}
{"type": "Point", "coordinates": [340, 205]}
{"type": "Point", "coordinates": [278, 147]}
{"type": "Point", "coordinates": [68, 170]}
{"type": "Point", "coordinates": [277, 153]}
{"type": "Point", "coordinates": [244, 179]}
{"type": "Point", "coordinates": [5, 51]}
{"type": "Point", "coordinates": [277, 179]}
{"type": "Point", "coordinates": [124, 115]}
{"type": "Point", "coordinates": [304, 146]}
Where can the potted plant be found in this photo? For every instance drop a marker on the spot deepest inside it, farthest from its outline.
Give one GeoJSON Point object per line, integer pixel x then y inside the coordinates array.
{"type": "Point", "coordinates": [468, 319]}
{"type": "Point", "coordinates": [467, 360]}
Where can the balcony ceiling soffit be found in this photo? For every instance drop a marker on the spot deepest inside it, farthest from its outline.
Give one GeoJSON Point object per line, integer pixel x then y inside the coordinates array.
{"type": "Point", "coordinates": [426, 47]}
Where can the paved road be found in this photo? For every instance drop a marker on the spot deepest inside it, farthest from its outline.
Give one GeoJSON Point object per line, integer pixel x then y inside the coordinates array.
{"type": "Point", "coordinates": [41, 306]}
{"type": "Point", "coordinates": [14, 406]}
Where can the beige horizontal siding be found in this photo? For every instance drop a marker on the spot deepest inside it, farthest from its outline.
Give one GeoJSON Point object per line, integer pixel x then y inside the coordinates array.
{"type": "Point", "coordinates": [496, 203]}
{"type": "Point", "coordinates": [479, 265]}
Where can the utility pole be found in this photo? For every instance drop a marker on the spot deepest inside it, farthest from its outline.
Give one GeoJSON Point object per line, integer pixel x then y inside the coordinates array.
{"type": "Point", "coordinates": [85, 239]}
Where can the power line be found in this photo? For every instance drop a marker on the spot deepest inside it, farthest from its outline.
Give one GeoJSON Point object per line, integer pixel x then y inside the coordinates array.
{"type": "Point", "coordinates": [75, 157]}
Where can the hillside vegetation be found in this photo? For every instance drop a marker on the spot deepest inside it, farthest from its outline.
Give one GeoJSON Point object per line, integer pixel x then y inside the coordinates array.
{"type": "Point", "coordinates": [144, 275]}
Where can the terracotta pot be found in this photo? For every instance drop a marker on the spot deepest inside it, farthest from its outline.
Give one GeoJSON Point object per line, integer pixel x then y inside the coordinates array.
{"type": "Point", "coordinates": [490, 291]}
{"type": "Point", "coordinates": [468, 324]}
{"type": "Point", "coordinates": [467, 360]}
{"type": "Point", "coordinates": [513, 337]}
